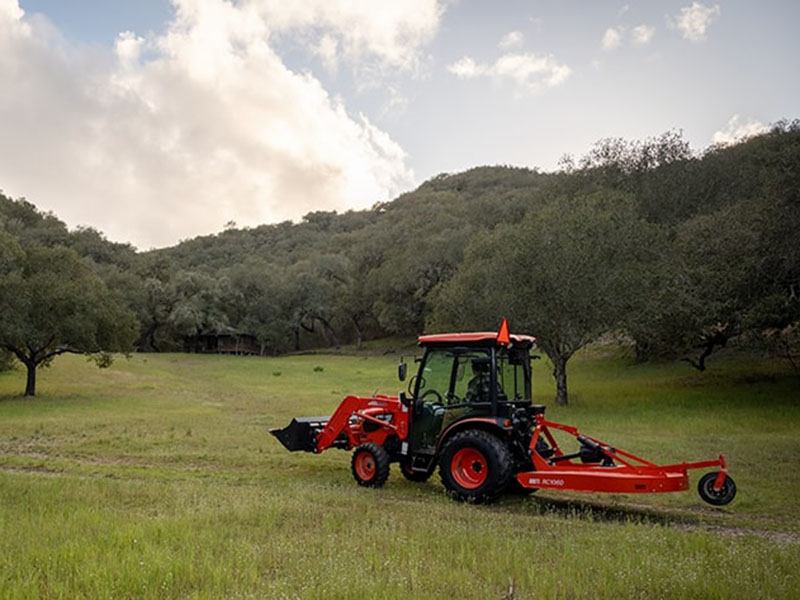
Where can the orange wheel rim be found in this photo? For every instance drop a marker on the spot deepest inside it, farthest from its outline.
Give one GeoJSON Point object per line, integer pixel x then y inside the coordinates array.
{"type": "Point", "coordinates": [365, 465]}
{"type": "Point", "coordinates": [469, 468]}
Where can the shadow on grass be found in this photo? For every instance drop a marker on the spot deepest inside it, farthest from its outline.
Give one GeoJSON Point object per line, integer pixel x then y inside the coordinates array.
{"type": "Point", "coordinates": [598, 511]}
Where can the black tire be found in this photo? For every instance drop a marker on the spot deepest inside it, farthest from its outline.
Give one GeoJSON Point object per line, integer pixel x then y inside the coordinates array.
{"type": "Point", "coordinates": [370, 465]}
{"type": "Point", "coordinates": [416, 476]}
{"type": "Point", "coordinates": [494, 456]}
{"type": "Point", "coordinates": [705, 487]}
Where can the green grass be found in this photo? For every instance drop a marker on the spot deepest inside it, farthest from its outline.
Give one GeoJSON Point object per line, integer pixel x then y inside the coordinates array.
{"type": "Point", "coordinates": [156, 479]}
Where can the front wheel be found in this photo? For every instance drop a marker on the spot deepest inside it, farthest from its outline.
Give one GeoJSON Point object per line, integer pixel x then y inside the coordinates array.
{"type": "Point", "coordinates": [475, 466]}
{"type": "Point", "coordinates": [370, 465]}
{"type": "Point", "coordinates": [721, 497]}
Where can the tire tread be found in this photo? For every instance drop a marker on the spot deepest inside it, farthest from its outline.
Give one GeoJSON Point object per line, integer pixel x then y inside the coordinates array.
{"type": "Point", "coordinates": [382, 462]}
{"type": "Point", "coordinates": [484, 441]}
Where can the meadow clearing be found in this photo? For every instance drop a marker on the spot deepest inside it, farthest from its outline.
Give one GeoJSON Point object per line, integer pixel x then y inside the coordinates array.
{"type": "Point", "coordinates": [156, 478]}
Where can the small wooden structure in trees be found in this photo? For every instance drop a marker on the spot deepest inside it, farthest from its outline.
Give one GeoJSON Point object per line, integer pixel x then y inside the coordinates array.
{"type": "Point", "coordinates": [228, 341]}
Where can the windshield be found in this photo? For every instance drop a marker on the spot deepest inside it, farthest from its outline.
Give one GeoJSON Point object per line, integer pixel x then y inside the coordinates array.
{"type": "Point", "coordinates": [513, 373]}
{"type": "Point", "coordinates": [456, 376]}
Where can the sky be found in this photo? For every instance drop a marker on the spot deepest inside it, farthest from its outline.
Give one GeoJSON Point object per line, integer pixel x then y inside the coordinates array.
{"type": "Point", "coordinates": [159, 120]}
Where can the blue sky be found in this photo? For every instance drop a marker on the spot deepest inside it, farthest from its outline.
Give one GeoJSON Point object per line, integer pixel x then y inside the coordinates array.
{"type": "Point", "coordinates": [348, 108]}
{"type": "Point", "coordinates": [99, 21]}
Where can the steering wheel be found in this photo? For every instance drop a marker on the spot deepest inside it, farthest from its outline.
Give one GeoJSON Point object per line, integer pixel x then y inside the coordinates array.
{"type": "Point", "coordinates": [438, 400]}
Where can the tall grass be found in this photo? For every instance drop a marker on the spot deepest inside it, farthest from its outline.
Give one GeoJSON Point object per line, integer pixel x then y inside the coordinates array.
{"type": "Point", "coordinates": [156, 479]}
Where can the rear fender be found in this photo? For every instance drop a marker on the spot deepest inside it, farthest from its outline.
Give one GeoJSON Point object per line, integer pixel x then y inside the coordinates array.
{"type": "Point", "coordinates": [499, 426]}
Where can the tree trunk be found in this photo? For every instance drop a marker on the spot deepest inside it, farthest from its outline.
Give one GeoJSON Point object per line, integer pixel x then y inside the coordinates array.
{"type": "Point", "coordinates": [560, 375]}
{"type": "Point", "coordinates": [296, 332]}
{"type": "Point", "coordinates": [30, 386]}
{"type": "Point", "coordinates": [642, 352]}
{"type": "Point", "coordinates": [329, 332]}
{"type": "Point", "coordinates": [147, 343]}
{"type": "Point", "coordinates": [359, 334]}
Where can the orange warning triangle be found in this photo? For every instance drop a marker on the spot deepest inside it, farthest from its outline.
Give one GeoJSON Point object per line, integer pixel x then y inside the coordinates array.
{"type": "Point", "coordinates": [503, 335]}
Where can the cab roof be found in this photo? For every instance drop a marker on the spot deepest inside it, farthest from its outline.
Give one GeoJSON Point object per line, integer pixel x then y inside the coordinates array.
{"type": "Point", "coordinates": [477, 338]}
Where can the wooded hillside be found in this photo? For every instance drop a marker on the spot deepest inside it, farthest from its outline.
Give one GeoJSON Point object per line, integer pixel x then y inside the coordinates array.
{"type": "Point", "coordinates": [682, 252]}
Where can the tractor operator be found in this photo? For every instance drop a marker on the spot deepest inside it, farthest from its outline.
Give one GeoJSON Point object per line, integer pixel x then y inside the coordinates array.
{"type": "Point", "coordinates": [479, 387]}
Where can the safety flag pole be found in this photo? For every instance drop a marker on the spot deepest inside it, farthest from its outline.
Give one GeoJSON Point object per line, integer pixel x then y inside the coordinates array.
{"type": "Point", "coordinates": [503, 335]}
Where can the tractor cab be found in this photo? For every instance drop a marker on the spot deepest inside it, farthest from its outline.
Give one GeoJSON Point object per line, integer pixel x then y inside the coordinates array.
{"type": "Point", "coordinates": [463, 377]}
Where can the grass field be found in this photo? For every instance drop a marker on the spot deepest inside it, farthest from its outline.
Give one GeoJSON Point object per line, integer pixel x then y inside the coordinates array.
{"type": "Point", "coordinates": [156, 479]}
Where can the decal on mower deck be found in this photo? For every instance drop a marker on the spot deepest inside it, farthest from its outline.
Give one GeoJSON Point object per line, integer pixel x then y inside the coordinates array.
{"type": "Point", "coordinates": [539, 481]}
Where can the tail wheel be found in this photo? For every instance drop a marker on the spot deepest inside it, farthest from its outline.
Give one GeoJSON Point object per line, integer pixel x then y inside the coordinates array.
{"type": "Point", "coordinates": [475, 466]}
{"type": "Point", "coordinates": [720, 497]}
{"type": "Point", "coordinates": [417, 476]}
{"type": "Point", "coordinates": [370, 465]}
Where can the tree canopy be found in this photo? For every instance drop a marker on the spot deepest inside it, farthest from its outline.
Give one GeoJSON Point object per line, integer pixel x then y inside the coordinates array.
{"type": "Point", "coordinates": [569, 272]}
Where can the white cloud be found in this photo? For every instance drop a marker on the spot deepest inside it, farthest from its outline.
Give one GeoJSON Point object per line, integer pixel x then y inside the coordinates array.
{"type": "Point", "coordinates": [391, 32]}
{"type": "Point", "coordinates": [532, 73]}
{"type": "Point", "coordinates": [395, 105]}
{"type": "Point", "coordinates": [611, 39]}
{"type": "Point", "coordinates": [466, 68]}
{"type": "Point", "coordinates": [693, 21]}
{"type": "Point", "coordinates": [11, 10]}
{"type": "Point", "coordinates": [642, 34]}
{"type": "Point", "coordinates": [173, 136]}
{"type": "Point", "coordinates": [328, 49]}
{"type": "Point", "coordinates": [128, 48]}
{"type": "Point", "coordinates": [738, 129]}
{"type": "Point", "coordinates": [511, 40]}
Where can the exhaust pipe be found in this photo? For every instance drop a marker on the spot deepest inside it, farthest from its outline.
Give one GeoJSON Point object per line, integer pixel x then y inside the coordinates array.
{"type": "Point", "coordinates": [301, 433]}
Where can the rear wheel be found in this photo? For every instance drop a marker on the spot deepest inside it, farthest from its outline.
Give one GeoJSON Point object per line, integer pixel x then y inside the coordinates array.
{"type": "Point", "coordinates": [370, 465]}
{"type": "Point", "coordinates": [475, 466]}
{"type": "Point", "coordinates": [721, 497]}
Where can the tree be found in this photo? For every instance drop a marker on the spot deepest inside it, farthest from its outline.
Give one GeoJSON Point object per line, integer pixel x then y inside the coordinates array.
{"type": "Point", "coordinates": [199, 306]}
{"type": "Point", "coordinates": [6, 360]}
{"type": "Point", "coordinates": [312, 292]}
{"type": "Point", "coordinates": [9, 254]}
{"type": "Point", "coordinates": [731, 272]}
{"type": "Point", "coordinates": [354, 304]}
{"type": "Point", "coordinates": [53, 303]}
{"type": "Point", "coordinates": [262, 304]}
{"type": "Point", "coordinates": [566, 274]}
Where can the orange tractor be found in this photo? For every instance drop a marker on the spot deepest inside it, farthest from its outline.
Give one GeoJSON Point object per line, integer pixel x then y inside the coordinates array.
{"type": "Point", "coordinates": [469, 411]}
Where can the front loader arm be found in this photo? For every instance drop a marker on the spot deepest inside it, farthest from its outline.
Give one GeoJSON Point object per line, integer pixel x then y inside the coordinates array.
{"type": "Point", "coordinates": [349, 418]}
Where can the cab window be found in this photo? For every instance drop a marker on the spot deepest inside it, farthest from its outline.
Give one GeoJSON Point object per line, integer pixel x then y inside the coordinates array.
{"type": "Point", "coordinates": [472, 383]}
{"type": "Point", "coordinates": [434, 382]}
{"type": "Point", "coordinates": [453, 377]}
{"type": "Point", "coordinates": [513, 374]}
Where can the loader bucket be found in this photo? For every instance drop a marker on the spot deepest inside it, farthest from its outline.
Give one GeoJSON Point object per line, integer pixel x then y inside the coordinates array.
{"type": "Point", "coordinates": [301, 433]}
